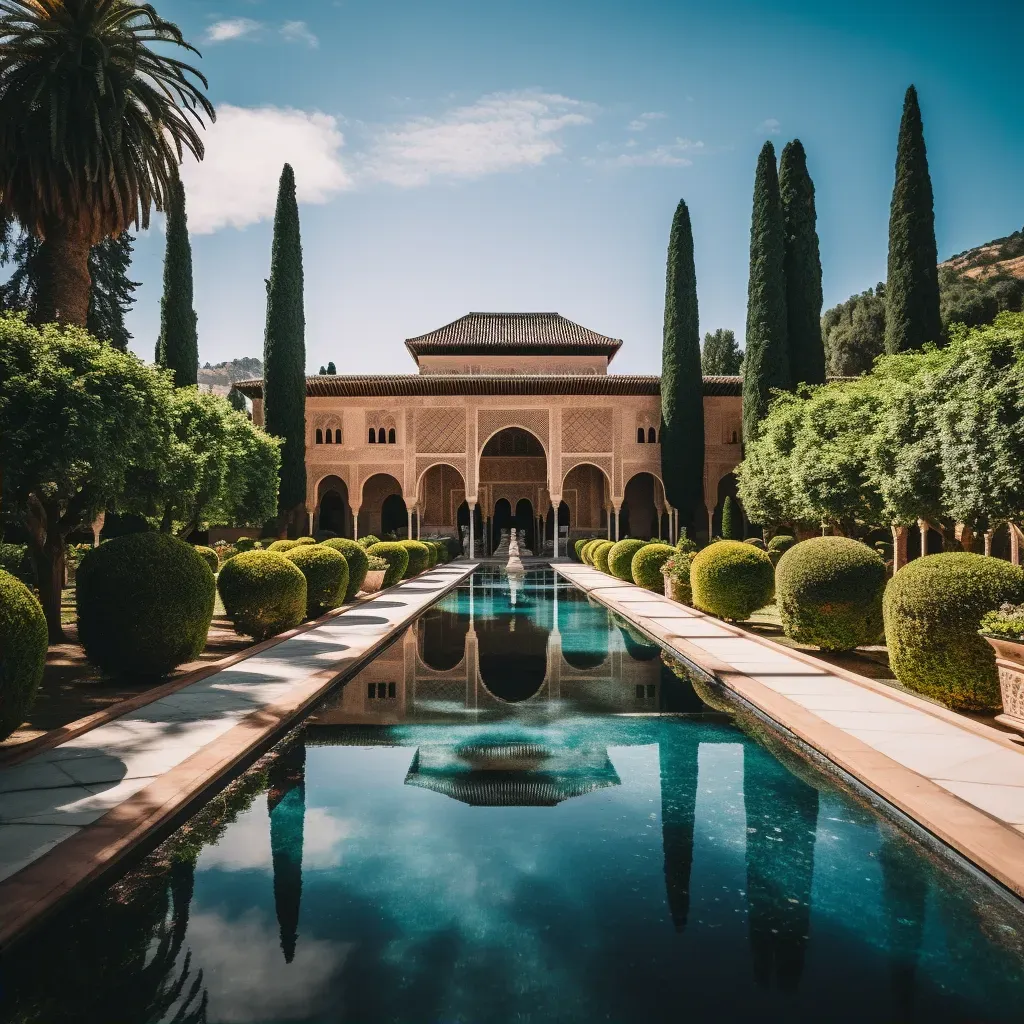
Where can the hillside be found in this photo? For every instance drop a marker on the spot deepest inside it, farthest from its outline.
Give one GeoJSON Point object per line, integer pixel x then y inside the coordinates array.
{"type": "Point", "coordinates": [1000, 257]}
{"type": "Point", "coordinates": [219, 377]}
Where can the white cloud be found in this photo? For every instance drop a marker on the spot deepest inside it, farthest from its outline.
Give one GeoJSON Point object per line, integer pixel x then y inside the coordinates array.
{"type": "Point", "coordinates": [643, 122]}
{"type": "Point", "coordinates": [770, 126]}
{"type": "Point", "coordinates": [671, 154]}
{"type": "Point", "coordinates": [231, 28]}
{"type": "Point", "coordinates": [299, 32]}
{"type": "Point", "coordinates": [236, 184]}
{"type": "Point", "coordinates": [500, 132]}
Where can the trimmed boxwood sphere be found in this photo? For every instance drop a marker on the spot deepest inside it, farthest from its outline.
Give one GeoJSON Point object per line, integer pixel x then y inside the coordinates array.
{"type": "Point", "coordinates": [782, 542]}
{"type": "Point", "coordinates": [306, 540]}
{"type": "Point", "coordinates": [419, 557]}
{"type": "Point", "coordinates": [145, 602]}
{"type": "Point", "coordinates": [369, 540]}
{"type": "Point", "coordinates": [829, 592]}
{"type": "Point", "coordinates": [209, 556]}
{"type": "Point", "coordinates": [578, 547]}
{"type": "Point", "coordinates": [731, 579]}
{"type": "Point", "coordinates": [245, 544]}
{"type": "Point", "coordinates": [282, 545]}
{"type": "Point", "coordinates": [601, 553]}
{"type": "Point", "coordinates": [358, 562]}
{"type": "Point", "coordinates": [431, 553]}
{"type": "Point", "coordinates": [645, 568]}
{"type": "Point", "coordinates": [585, 552]}
{"type": "Point", "coordinates": [326, 572]}
{"type": "Point", "coordinates": [263, 593]}
{"type": "Point", "coordinates": [932, 608]}
{"type": "Point", "coordinates": [395, 555]}
{"type": "Point", "coordinates": [620, 558]}
{"type": "Point", "coordinates": [591, 549]}
{"type": "Point", "coordinates": [23, 643]}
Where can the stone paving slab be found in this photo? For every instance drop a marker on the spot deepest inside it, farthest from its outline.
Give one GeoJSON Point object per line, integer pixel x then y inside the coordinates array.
{"type": "Point", "coordinates": [960, 779]}
{"type": "Point", "coordinates": [49, 801]}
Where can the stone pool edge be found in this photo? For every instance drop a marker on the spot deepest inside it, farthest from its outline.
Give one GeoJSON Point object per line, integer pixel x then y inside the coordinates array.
{"type": "Point", "coordinates": [995, 848]}
{"type": "Point", "coordinates": [38, 890]}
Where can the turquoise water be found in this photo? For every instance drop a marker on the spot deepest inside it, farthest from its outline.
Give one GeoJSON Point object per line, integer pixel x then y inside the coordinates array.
{"type": "Point", "coordinates": [523, 812]}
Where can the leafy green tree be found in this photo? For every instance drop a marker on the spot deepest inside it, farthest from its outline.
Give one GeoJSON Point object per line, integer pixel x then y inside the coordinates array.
{"type": "Point", "coordinates": [854, 333]}
{"type": "Point", "coordinates": [78, 421]}
{"type": "Point", "coordinates": [766, 361]}
{"type": "Point", "coordinates": [912, 289]}
{"type": "Point", "coordinates": [93, 122]}
{"type": "Point", "coordinates": [682, 385]}
{"type": "Point", "coordinates": [976, 301]}
{"type": "Point", "coordinates": [284, 354]}
{"type": "Point", "coordinates": [237, 400]}
{"type": "Point", "coordinates": [721, 356]}
{"type": "Point", "coordinates": [178, 346]}
{"type": "Point", "coordinates": [803, 267]}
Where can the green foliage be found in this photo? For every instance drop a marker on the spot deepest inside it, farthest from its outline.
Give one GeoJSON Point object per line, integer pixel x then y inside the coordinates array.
{"type": "Point", "coordinates": [376, 563]}
{"type": "Point", "coordinates": [731, 579]}
{"type": "Point", "coordinates": [209, 556]}
{"type": "Point", "coordinates": [932, 609]}
{"type": "Point", "coordinates": [600, 554]}
{"type": "Point", "coordinates": [306, 540]}
{"type": "Point", "coordinates": [326, 572]}
{"type": "Point", "coordinates": [368, 541]}
{"type": "Point", "coordinates": [281, 546]}
{"type": "Point", "coordinates": [645, 568]}
{"type": "Point", "coordinates": [620, 558]}
{"type": "Point", "coordinates": [397, 557]}
{"type": "Point", "coordinates": [587, 554]}
{"type": "Point", "coordinates": [803, 267]}
{"type": "Point", "coordinates": [766, 360]}
{"type": "Point", "coordinates": [246, 544]}
{"type": "Point", "coordinates": [685, 544]}
{"type": "Point", "coordinates": [144, 602]}
{"type": "Point", "coordinates": [912, 288]}
{"type": "Point", "coordinates": [677, 568]}
{"type": "Point", "coordinates": [16, 560]}
{"type": "Point", "coordinates": [721, 355]}
{"type": "Point", "coordinates": [578, 547]}
{"type": "Point", "coordinates": [432, 554]}
{"type": "Point", "coordinates": [178, 346]}
{"type": "Point", "coordinates": [358, 562]}
{"type": "Point", "coordinates": [757, 543]}
{"type": "Point", "coordinates": [977, 301]}
{"type": "Point", "coordinates": [682, 385]}
{"type": "Point", "coordinates": [264, 593]}
{"type": "Point", "coordinates": [23, 644]}
{"type": "Point", "coordinates": [1007, 623]}
{"type": "Point", "coordinates": [731, 529]}
{"type": "Point", "coordinates": [854, 333]}
{"type": "Point", "coordinates": [829, 593]}
{"type": "Point", "coordinates": [284, 352]}
{"type": "Point", "coordinates": [419, 557]}
{"type": "Point", "coordinates": [781, 542]}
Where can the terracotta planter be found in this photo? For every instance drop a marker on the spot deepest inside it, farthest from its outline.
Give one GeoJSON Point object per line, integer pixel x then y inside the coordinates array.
{"type": "Point", "coordinates": [671, 588]}
{"type": "Point", "coordinates": [374, 581]}
{"type": "Point", "coordinates": [1010, 662]}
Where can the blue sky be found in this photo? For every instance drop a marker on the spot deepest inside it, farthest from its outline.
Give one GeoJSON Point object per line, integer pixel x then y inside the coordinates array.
{"type": "Point", "coordinates": [455, 156]}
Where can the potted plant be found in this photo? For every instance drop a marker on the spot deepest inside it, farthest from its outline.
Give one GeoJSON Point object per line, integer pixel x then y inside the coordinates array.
{"type": "Point", "coordinates": [676, 573]}
{"type": "Point", "coordinates": [1004, 630]}
{"type": "Point", "coordinates": [375, 574]}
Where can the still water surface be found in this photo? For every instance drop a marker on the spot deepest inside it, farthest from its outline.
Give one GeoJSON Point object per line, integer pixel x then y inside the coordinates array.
{"type": "Point", "coordinates": [520, 811]}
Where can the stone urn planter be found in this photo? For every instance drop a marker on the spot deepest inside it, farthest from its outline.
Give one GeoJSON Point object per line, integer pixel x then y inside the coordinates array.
{"type": "Point", "coordinates": [1010, 662]}
{"type": "Point", "coordinates": [374, 581]}
{"type": "Point", "coordinates": [672, 588]}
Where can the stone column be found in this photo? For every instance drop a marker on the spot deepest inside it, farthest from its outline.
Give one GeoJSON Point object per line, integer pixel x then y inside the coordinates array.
{"type": "Point", "coordinates": [711, 524]}
{"type": "Point", "coordinates": [922, 526]}
{"type": "Point", "coordinates": [988, 542]}
{"type": "Point", "coordinates": [355, 521]}
{"type": "Point", "coordinates": [618, 507]}
{"type": "Point", "coordinates": [1014, 544]}
{"type": "Point", "coordinates": [899, 547]}
{"type": "Point", "coordinates": [97, 528]}
{"type": "Point", "coordinates": [408, 516]}
{"type": "Point", "coordinates": [472, 523]}
{"type": "Point", "coordinates": [555, 503]}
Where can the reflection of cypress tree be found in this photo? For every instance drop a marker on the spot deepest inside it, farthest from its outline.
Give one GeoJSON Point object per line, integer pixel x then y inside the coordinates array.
{"type": "Point", "coordinates": [678, 762]}
{"type": "Point", "coordinates": [286, 802]}
{"type": "Point", "coordinates": [905, 886]}
{"type": "Point", "coordinates": [782, 819]}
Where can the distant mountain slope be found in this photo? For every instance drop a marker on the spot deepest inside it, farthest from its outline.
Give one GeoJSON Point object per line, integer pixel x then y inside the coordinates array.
{"type": "Point", "coordinates": [1000, 257]}
{"type": "Point", "coordinates": [219, 377]}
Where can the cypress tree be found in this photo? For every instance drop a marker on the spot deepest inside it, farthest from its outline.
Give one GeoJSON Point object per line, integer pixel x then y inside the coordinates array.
{"type": "Point", "coordinates": [912, 290]}
{"type": "Point", "coordinates": [682, 385]}
{"type": "Point", "coordinates": [766, 361]}
{"type": "Point", "coordinates": [803, 267]}
{"type": "Point", "coordinates": [730, 528]}
{"type": "Point", "coordinates": [178, 347]}
{"type": "Point", "coordinates": [284, 353]}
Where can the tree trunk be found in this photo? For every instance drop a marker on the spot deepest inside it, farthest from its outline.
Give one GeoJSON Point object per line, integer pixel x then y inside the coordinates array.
{"type": "Point", "coordinates": [48, 557]}
{"type": "Point", "coordinates": [64, 282]}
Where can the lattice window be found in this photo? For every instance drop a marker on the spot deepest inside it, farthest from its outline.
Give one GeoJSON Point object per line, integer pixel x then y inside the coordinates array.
{"type": "Point", "coordinates": [441, 430]}
{"type": "Point", "coordinates": [587, 430]}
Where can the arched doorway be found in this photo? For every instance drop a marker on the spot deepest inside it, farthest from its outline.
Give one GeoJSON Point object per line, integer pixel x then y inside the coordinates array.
{"type": "Point", "coordinates": [525, 522]}
{"type": "Point", "coordinates": [639, 514]}
{"type": "Point", "coordinates": [332, 513]}
{"type": "Point", "coordinates": [383, 507]}
{"type": "Point", "coordinates": [440, 493]}
{"type": "Point", "coordinates": [501, 520]}
{"type": "Point", "coordinates": [586, 491]}
{"type": "Point", "coordinates": [393, 516]}
{"type": "Point", "coordinates": [513, 469]}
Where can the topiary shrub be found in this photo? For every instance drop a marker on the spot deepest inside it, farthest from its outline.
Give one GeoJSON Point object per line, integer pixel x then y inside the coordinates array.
{"type": "Point", "coordinates": [686, 545]}
{"type": "Point", "coordinates": [306, 540]}
{"type": "Point", "coordinates": [578, 547]}
{"type": "Point", "coordinates": [264, 593]}
{"type": "Point", "coordinates": [620, 558]}
{"type": "Point", "coordinates": [781, 542]}
{"type": "Point", "coordinates": [358, 562]}
{"type": "Point", "coordinates": [591, 549]}
{"type": "Point", "coordinates": [730, 520]}
{"type": "Point", "coordinates": [246, 544]}
{"type": "Point", "coordinates": [829, 592]}
{"type": "Point", "coordinates": [645, 569]}
{"type": "Point", "coordinates": [932, 608]}
{"type": "Point", "coordinates": [368, 541]}
{"type": "Point", "coordinates": [322, 535]}
{"type": "Point", "coordinates": [601, 553]}
{"type": "Point", "coordinates": [756, 542]}
{"type": "Point", "coordinates": [209, 556]}
{"type": "Point", "coordinates": [23, 643]}
{"type": "Point", "coordinates": [731, 579]}
{"type": "Point", "coordinates": [419, 557]}
{"type": "Point", "coordinates": [326, 572]}
{"type": "Point", "coordinates": [145, 602]}
{"type": "Point", "coordinates": [281, 546]}
{"type": "Point", "coordinates": [395, 555]}
{"type": "Point", "coordinates": [432, 555]}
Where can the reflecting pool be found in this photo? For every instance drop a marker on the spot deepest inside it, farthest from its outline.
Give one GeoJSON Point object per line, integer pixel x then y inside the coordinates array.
{"type": "Point", "coordinates": [522, 811]}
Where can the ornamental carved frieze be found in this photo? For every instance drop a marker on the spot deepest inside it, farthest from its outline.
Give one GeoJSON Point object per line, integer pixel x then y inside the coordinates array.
{"type": "Point", "coordinates": [490, 421]}
{"type": "Point", "coordinates": [587, 430]}
{"type": "Point", "coordinates": [425, 462]}
{"type": "Point", "coordinates": [441, 430]}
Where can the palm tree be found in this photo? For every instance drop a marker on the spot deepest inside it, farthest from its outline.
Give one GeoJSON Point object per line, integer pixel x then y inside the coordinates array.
{"type": "Point", "coordinates": [93, 126]}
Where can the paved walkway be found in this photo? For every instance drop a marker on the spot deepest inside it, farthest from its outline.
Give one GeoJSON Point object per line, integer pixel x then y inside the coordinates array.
{"type": "Point", "coordinates": [962, 780]}
{"type": "Point", "coordinates": [125, 777]}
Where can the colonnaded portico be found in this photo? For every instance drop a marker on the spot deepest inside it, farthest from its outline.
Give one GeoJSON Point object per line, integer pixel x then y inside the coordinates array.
{"type": "Point", "coordinates": [511, 419]}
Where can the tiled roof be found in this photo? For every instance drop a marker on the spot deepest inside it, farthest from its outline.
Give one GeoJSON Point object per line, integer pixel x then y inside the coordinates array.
{"type": "Point", "coordinates": [415, 384]}
{"type": "Point", "coordinates": [513, 333]}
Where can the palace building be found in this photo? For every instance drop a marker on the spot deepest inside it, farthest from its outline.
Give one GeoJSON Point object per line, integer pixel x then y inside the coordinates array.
{"type": "Point", "coordinates": [513, 419]}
